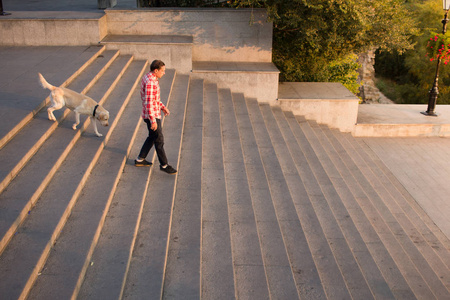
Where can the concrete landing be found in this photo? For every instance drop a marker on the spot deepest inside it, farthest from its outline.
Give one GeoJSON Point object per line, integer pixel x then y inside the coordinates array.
{"type": "Point", "coordinates": [20, 92]}
{"type": "Point", "coordinates": [400, 120]}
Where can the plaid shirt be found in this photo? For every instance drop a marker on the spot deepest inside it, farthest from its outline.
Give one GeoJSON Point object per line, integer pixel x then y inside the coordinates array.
{"type": "Point", "coordinates": [150, 96]}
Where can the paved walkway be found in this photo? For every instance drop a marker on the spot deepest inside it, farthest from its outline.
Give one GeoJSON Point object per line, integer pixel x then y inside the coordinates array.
{"type": "Point", "coordinates": [59, 5]}
{"type": "Point", "coordinates": [421, 164]}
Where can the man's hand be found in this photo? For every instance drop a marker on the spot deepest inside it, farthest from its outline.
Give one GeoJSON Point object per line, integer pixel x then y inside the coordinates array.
{"type": "Point", "coordinates": [166, 111]}
{"type": "Point", "coordinates": [154, 126]}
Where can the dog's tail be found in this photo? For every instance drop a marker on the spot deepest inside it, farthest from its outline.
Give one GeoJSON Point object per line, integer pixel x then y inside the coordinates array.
{"type": "Point", "coordinates": [45, 84]}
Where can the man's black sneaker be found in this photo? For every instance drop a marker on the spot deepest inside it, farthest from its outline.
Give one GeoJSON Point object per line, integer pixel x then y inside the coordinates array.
{"type": "Point", "coordinates": [168, 169]}
{"type": "Point", "coordinates": [142, 163]}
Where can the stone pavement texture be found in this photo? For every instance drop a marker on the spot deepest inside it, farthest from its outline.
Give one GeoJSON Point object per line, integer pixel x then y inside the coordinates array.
{"type": "Point", "coordinates": [249, 191]}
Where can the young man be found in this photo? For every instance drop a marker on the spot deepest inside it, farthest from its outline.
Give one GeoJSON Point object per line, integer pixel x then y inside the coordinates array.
{"type": "Point", "coordinates": [151, 113]}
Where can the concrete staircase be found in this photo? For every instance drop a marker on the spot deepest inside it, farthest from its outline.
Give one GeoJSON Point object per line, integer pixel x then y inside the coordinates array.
{"type": "Point", "coordinates": [265, 205]}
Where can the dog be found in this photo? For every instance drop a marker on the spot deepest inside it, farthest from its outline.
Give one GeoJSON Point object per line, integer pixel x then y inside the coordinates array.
{"type": "Point", "coordinates": [78, 103]}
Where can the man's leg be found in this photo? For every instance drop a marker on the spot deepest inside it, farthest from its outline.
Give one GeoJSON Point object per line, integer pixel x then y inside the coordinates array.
{"type": "Point", "coordinates": [149, 141]}
{"type": "Point", "coordinates": [159, 145]}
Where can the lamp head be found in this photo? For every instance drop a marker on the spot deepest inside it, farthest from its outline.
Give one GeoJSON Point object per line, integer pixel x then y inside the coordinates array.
{"type": "Point", "coordinates": [446, 4]}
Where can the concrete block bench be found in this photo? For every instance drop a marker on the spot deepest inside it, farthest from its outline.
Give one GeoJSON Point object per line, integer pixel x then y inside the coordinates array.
{"type": "Point", "coordinates": [327, 103]}
{"type": "Point", "coordinates": [255, 79]}
{"type": "Point", "coordinates": [174, 50]}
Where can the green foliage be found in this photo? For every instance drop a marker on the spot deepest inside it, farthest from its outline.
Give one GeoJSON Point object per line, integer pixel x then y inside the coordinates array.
{"type": "Point", "coordinates": [412, 73]}
{"type": "Point", "coordinates": [438, 47]}
{"type": "Point", "coordinates": [312, 37]}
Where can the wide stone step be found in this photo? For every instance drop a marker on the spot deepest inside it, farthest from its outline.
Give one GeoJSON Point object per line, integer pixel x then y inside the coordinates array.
{"type": "Point", "coordinates": [174, 50]}
{"type": "Point", "coordinates": [182, 274]}
{"type": "Point", "coordinates": [38, 172]}
{"type": "Point", "coordinates": [346, 242]}
{"type": "Point", "coordinates": [423, 253]}
{"type": "Point", "coordinates": [248, 265]}
{"type": "Point", "coordinates": [217, 277]}
{"type": "Point", "coordinates": [276, 218]}
{"type": "Point", "coordinates": [63, 273]}
{"type": "Point", "coordinates": [55, 188]}
{"type": "Point", "coordinates": [309, 203]}
{"type": "Point", "coordinates": [146, 265]}
{"type": "Point", "coordinates": [424, 224]}
{"type": "Point", "coordinates": [255, 79]}
{"type": "Point", "coordinates": [113, 253]}
{"type": "Point", "coordinates": [15, 154]}
{"type": "Point", "coordinates": [354, 203]}
{"type": "Point", "coordinates": [71, 61]}
{"type": "Point", "coordinates": [414, 267]}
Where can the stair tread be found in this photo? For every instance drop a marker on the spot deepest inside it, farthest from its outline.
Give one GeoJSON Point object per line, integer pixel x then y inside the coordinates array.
{"type": "Point", "coordinates": [35, 175]}
{"type": "Point", "coordinates": [428, 228]}
{"type": "Point", "coordinates": [249, 272]}
{"type": "Point", "coordinates": [326, 230]}
{"type": "Point", "coordinates": [148, 39]}
{"type": "Point", "coordinates": [413, 217]}
{"type": "Point", "coordinates": [21, 85]}
{"type": "Point", "coordinates": [183, 252]}
{"type": "Point", "coordinates": [15, 154]}
{"type": "Point", "coordinates": [217, 277]}
{"type": "Point", "coordinates": [423, 256]}
{"type": "Point", "coordinates": [56, 200]}
{"type": "Point", "coordinates": [111, 256]}
{"type": "Point", "coordinates": [68, 258]}
{"type": "Point", "coordinates": [221, 66]}
{"type": "Point", "coordinates": [393, 245]}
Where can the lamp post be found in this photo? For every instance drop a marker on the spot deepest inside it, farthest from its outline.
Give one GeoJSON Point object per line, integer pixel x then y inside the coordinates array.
{"type": "Point", "coordinates": [3, 13]}
{"type": "Point", "coordinates": [434, 91]}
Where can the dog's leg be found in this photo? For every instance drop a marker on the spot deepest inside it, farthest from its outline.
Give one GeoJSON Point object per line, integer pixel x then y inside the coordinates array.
{"type": "Point", "coordinates": [51, 116]}
{"type": "Point", "coordinates": [94, 123]}
{"type": "Point", "coordinates": [56, 104]}
{"type": "Point", "coordinates": [77, 120]}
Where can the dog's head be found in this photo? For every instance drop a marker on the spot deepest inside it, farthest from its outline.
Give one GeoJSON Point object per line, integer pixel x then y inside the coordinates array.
{"type": "Point", "coordinates": [102, 116]}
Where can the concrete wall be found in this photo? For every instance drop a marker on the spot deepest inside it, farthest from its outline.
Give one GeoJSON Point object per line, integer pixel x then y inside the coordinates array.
{"type": "Point", "coordinates": [328, 103]}
{"type": "Point", "coordinates": [259, 85]}
{"type": "Point", "coordinates": [52, 29]}
{"type": "Point", "coordinates": [219, 34]}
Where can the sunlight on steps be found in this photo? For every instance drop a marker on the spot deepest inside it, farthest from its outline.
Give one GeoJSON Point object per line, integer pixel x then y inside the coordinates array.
{"type": "Point", "coordinates": [266, 204]}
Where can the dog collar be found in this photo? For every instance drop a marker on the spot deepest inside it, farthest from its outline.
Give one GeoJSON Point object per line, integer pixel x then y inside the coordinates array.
{"type": "Point", "coordinates": [95, 108]}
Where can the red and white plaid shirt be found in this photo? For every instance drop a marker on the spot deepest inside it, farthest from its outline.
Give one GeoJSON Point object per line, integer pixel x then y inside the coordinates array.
{"type": "Point", "coordinates": [151, 99]}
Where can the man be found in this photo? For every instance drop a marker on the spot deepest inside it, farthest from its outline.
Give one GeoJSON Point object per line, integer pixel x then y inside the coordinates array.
{"type": "Point", "coordinates": [151, 113]}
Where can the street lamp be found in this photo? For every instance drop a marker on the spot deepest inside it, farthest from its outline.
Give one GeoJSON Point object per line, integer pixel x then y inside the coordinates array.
{"type": "Point", "coordinates": [434, 91]}
{"type": "Point", "coordinates": [3, 13]}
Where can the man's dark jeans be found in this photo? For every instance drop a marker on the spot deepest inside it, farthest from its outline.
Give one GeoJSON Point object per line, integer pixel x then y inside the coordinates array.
{"type": "Point", "coordinates": [157, 138]}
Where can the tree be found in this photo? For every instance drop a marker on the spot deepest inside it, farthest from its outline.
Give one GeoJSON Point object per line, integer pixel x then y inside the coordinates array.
{"type": "Point", "coordinates": [309, 35]}
{"type": "Point", "coordinates": [407, 77]}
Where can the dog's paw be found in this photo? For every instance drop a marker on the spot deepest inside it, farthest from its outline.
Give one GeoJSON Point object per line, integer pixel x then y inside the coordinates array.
{"type": "Point", "coordinates": [99, 134]}
{"type": "Point", "coordinates": [74, 126]}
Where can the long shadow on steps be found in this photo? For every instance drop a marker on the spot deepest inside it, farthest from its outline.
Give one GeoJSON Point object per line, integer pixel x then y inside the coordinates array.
{"type": "Point", "coordinates": [419, 252]}
{"type": "Point", "coordinates": [20, 91]}
{"type": "Point", "coordinates": [69, 259]}
{"type": "Point", "coordinates": [17, 201]}
{"type": "Point", "coordinates": [217, 280]}
{"type": "Point", "coordinates": [274, 213]}
{"type": "Point", "coordinates": [248, 265]}
{"type": "Point", "coordinates": [45, 221]}
{"type": "Point", "coordinates": [424, 224]}
{"type": "Point", "coordinates": [19, 150]}
{"type": "Point", "coordinates": [118, 243]}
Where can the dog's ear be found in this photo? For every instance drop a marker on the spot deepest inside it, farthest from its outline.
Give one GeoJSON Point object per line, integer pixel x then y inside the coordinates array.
{"type": "Point", "coordinates": [104, 116]}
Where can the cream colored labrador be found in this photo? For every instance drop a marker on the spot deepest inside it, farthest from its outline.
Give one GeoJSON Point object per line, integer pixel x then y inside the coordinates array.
{"type": "Point", "coordinates": [79, 103]}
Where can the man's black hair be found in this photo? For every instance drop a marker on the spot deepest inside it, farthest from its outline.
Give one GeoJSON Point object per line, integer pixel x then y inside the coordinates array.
{"type": "Point", "coordinates": [156, 65]}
